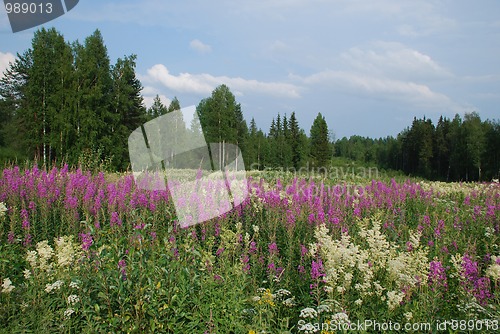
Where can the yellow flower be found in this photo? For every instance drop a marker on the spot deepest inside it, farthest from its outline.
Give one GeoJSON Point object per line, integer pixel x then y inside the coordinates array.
{"type": "Point", "coordinates": [251, 332]}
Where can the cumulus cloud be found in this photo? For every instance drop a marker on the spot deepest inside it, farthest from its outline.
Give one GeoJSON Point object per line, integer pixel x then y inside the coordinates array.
{"type": "Point", "coordinates": [199, 46]}
{"type": "Point", "coordinates": [416, 94]}
{"type": "Point", "coordinates": [394, 60]}
{"type": "Point", "coordinates": [5, 59]}
{"type": "Point", "coordinates": [204, 83]}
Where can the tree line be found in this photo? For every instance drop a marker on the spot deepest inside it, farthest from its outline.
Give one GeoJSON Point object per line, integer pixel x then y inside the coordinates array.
{"type": "Point", "coordinates": [458, 149]}
{"type": "Point", "coordinates": [64, 102]}
{"type": "Point", "coordinates": [60, 101]}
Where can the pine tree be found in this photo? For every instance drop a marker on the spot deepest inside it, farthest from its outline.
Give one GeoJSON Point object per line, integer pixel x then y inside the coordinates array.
{"type": "Point", "coordinates": [294, 139]}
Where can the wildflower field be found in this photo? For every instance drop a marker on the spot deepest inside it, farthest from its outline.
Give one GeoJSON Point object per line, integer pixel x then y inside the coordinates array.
{"type": "Point", "coordinates": [92, 253]}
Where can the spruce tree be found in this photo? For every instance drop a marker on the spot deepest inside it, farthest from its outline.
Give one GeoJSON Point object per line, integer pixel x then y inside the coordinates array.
{"type": "Point", "coordinates": [320, 144]}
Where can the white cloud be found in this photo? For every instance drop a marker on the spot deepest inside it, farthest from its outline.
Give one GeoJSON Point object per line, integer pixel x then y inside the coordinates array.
{"type": "Point", "coordinates": [199, 46]}
{"type": "Point", "coordinates": [416, 94]}
{"type": "Point", "coordinates": [205, 83]}
{"type": "Point", "coordinates": [5, 59]}
{"type": "Point", "coordinates": [149, 93]}
{"type": "Point", "coordinates": [394, 60]}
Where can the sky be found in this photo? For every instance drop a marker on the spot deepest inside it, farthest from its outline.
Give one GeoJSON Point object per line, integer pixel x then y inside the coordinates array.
{"type": "Point", "coordinates": [367, 66]}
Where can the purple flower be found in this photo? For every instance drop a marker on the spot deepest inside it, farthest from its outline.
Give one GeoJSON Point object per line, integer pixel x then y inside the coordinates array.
{"type": "Point", "coordinates": [86, 241]}
{"type": "Point", "coordinates": [409, 246]}
{"type": "Point", "coordinates": [219, 251]}
{"type": "Point", "coordinates": [437, 275]}
{"type": "Point", "coordinates": [482, 290]}
{"type": "Point", "coordinates": [303, 250]}
{"type": "Point", "coordinates": [253, 248]}
{"type": "Point", "coordinates": [27, 240]}
{"type": "Point", "coordinates": [301, 269]}
{"type": "Point", "coordinates": [317, 270]}
{"type": "Point", "coordinates": [10, 237]}
{"type": "Point", "coordinates": [115, 219]}
{"type": "Point", "coordinates": [122, 266]}
{"type": "Point", "coordinates": [246, 265]}
{"type": "Point", "coordinates": [273, 248]}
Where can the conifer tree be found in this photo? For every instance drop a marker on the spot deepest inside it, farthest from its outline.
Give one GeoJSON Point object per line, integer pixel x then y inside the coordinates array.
{"type": "Point", "coordinates": [320, 144]}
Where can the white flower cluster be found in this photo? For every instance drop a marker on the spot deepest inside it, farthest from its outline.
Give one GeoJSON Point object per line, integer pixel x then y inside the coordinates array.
{"type": "Point", "coordinates": [308, 312]}
{"type": "Point", "coordinates": [27, 273]}
{"type": "Point", "coordinates": [493, 270]}
{"type": "Point", "coordinates": [282, 292]}
{"type": "Point", "coordinates": [340, 318]}
{"type": "Point", "coordinates": [372, 267]}
{"type": "Point", "coordinates": [74, 285]}
{"type": "Point", "coordinates": [324, 308]}
{"type": "Point", "coordinates": [54, 286]}
{"type": "Point", "coordinates": [45, 259]}
{"type": "Point", "coordinates": [68, 312]}
{"type": "Point", "coordinates": [394, 298]}
{"type": "Point", "coordinates": [68, 251]}
{"type": "Point", "coordinates": [73, 299]}
{"type": "Point", "coordinates": [7, 286]}
{"type": "Point", "coordinates": [489, 231]}
{"type": "Point", "coordinates": [3, 209]}
{"type": "Point", "coordinates": [290, 302]}
{"type": "Point", "coordinates": [41, 258]}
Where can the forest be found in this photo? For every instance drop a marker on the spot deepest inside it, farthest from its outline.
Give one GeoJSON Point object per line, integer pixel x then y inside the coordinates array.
{"type": "Point", "coordinates": [66, 102]}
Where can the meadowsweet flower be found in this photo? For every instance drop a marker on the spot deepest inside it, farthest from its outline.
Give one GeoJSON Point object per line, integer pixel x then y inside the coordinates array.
{"type": "Point", "coordinates": [74, 285]}
{"type": "Point", "coordinates": [54, 286]}
{"type": "Point", "coordinates": [394, 299]}
{"type": "Point", "coordinates": [3, 209]}
{"type": "Point", "coordinates": [66, 251]}
{"type": "Point", "coordinates": [32, 258]}
{"type": "Point", "coordinates": [7, 286]}
{"type": "Point", "coordinates": [27, 274]}
{"type": "Point", "coordinates": [408, 316]}
{"type": "Point", "coordinates": [493, 270]}
{"type": "Point", "coordinates": [73, 299]}
{"type": "Point", "coordinates": [489, 231]}
{"type": "Point", "coordinates": [45, 253]}
{"type": "Point", "coordinates": [68, 312]}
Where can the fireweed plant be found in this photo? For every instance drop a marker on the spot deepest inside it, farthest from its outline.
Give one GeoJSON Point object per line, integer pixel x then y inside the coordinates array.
{"type": "Point", "coordinates": [82, 252]}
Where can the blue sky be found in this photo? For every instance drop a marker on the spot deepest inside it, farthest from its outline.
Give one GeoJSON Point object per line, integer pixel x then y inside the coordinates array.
{"type": "Point", "coordinates": [368, 66]}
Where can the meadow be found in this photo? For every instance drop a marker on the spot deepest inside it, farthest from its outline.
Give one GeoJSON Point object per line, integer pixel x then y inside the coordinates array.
{"type": "Point", "coordinates": [85, 252]}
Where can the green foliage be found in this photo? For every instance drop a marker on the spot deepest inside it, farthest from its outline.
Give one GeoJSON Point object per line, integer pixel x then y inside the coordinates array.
{"type": "Point", "coordinates": [320, 144]}
{"type": "Point", "coordinates": [59, 100]}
